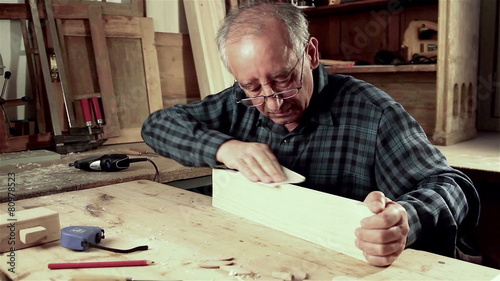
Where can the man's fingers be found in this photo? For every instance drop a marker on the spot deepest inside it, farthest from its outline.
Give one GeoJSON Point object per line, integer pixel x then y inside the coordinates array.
{"type": "Point", "coordinates": [380, 236]}
{"type": "Point", "coordinates": [381, 254]}
{"type": "Point", "coordinates": [255, 161]}
{"type": "Point", "coordinates": [381, 260]}
{"type": "Point", "coordinates": [390, 216]}
{"type": "Point", "coordinates": [375, 201]}
{"type": "Point", "coordinates": [376, 249]}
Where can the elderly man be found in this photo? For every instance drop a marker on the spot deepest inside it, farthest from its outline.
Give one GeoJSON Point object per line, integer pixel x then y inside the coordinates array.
{"type": "Point", "coordinates": [344, 135]}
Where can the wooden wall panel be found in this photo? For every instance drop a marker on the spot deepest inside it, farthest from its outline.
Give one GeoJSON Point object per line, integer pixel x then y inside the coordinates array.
{"type": "Point", "coordinates": [129, 80]}
{"type": "Point", "coordinates": [178, 78]}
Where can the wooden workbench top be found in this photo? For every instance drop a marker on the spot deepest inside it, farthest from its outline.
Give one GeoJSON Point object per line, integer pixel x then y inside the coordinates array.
{"type": "Point", "coordinates": [182, 230]}
{"type": "Point", "coordinates": [47, 177]}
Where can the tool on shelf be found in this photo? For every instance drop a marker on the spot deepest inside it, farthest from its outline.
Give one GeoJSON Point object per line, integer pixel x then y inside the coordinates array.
{"type": "Point", "coordinates": [420, 40]}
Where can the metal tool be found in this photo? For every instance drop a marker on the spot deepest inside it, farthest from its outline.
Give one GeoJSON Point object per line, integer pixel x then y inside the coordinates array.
{"type": "Point", "coordinates": [89, 106]}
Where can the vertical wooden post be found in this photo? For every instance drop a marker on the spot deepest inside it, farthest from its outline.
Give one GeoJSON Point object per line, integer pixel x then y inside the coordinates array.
{"type": "Point", "coordinates": [204, 17]}
{"type": "Point", "coordinates": [103, 66]}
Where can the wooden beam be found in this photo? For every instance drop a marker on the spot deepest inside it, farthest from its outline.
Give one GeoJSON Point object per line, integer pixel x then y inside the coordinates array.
{"type": "Point", "coordinates": [103, 67]}
{"type": "Point", "coordinates": [152, 69]}
{"type": "Point", "coordinates": [321, 218]}
{"type": "Point", "coordinates": [204, 17]}
{"type": "Point", "coordinates": [71, 10]}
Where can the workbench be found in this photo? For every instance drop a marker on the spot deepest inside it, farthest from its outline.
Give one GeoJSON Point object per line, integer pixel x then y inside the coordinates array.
{"type": "Point", "coordinates": [47, 177]}
{"type": "Point", "coordinates": [183, 231]}
{"type": "Point", "coordinates": [479, 158]}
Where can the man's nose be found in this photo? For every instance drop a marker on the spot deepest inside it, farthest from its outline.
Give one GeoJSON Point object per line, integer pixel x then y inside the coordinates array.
{"type": "Point", "coordinates": [274, 103]}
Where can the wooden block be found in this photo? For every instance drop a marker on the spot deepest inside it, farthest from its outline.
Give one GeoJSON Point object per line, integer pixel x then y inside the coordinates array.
{"type": "Point", "coordinates": [28, 156]}
{"type": "Point", "coordinates": [27, 228]}
{"type": "Point", "coordinates": [318, 217]}
{"type": "Point", "coordinates": [33, 234]}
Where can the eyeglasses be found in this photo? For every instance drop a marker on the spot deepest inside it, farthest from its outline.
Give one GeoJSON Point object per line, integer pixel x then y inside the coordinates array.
{"type": "Point", "coordinates": [282, 95]}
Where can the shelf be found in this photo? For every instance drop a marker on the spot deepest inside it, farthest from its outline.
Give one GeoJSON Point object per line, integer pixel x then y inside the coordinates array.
{"type": "Point", "coordinates": [363, 6]}
{"type": "Point", "coordinates": [383, 68]}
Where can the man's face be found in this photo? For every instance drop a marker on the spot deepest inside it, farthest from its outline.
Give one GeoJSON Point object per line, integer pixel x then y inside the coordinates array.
{"type": "Point", "coordinates": [264, 65]}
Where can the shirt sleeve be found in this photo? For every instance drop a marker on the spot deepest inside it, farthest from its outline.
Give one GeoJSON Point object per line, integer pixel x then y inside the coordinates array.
{"type": "Point", "coordinates": [441, 202]}
{"type": "Point", "coordinates": [190, 134]}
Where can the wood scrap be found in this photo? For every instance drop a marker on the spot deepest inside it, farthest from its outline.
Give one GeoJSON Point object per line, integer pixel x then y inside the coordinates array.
{"type": "Point", "coordinates": [214, 264]}
{"type": "Point", "coordinates": [285, 276]}
{"type": "Point", "coordinates": [237, 271]}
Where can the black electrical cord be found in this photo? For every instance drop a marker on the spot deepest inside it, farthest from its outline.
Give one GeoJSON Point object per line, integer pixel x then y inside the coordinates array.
{"type": "Point", "coordinates": [157, 174]}
{"type": "Point", "coordinates": [123, 251]}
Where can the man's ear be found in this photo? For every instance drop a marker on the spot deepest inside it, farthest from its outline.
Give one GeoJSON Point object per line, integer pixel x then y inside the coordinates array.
{"type": "Point", "coordinates": [313, 52]}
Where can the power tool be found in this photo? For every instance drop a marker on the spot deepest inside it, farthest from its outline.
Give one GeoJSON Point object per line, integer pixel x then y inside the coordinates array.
{"type": "Point", "coordinates": [110, 163]}
{"type": "Point", "coordinates": [105, 163]}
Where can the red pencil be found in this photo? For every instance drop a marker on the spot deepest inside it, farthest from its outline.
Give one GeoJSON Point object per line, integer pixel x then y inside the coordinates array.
{"type": "Point", "coordinates": [67, 265]}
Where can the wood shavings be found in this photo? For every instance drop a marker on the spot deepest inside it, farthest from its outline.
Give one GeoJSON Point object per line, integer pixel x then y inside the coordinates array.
{"type": "Point", "coordinates": [237, 271]}
{"type": "Point", "coordinates": [219, 259]}
{"type": "Point", "coordinates": [214, 264]}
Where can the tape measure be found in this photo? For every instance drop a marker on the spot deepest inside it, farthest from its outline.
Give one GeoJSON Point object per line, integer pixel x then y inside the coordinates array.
{"type": "Point", "coordinates": [81, 238]}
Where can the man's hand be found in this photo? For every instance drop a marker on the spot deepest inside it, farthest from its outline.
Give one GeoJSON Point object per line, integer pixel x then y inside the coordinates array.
{"type": "Point", "coordinates": [382, 237]}
{"type": "Point", "coordinates": [254, 160]}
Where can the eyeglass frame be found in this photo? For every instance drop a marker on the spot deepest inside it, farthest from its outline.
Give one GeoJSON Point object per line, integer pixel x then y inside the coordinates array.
{"type": "Point", "coordinates": [278, 94]}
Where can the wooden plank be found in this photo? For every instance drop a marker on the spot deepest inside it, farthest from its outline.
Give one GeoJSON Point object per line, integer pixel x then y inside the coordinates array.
{"type": "Point", "coordinates": [103, 67]}
{"type": "Point", "coordinates": [177, 71]}
{"type": "Point", "coordinates": [308, 214]}
{"type": "Point", "coordinates": [70, 9]}
{"type": "Point", "coordinates": [63, 86]}
{"type": "Point", "coordinates": [28, 156]}
{"type": "Point", "coordinates": [49, 90]}
{"type": "Point", "coordinates": [129, 78]}
{"type": "Point", "coordinates": [203, 17]}
{"type": "Point", "coordinates": [151, 68]}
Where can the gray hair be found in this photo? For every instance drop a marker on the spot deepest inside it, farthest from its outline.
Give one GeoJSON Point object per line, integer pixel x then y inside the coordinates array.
{"type": "Point", "coordinates": [248, 19]}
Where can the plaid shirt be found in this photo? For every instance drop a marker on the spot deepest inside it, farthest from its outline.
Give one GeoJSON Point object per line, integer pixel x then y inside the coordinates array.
{"type": "Point", "coordinates": [352, 139]}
